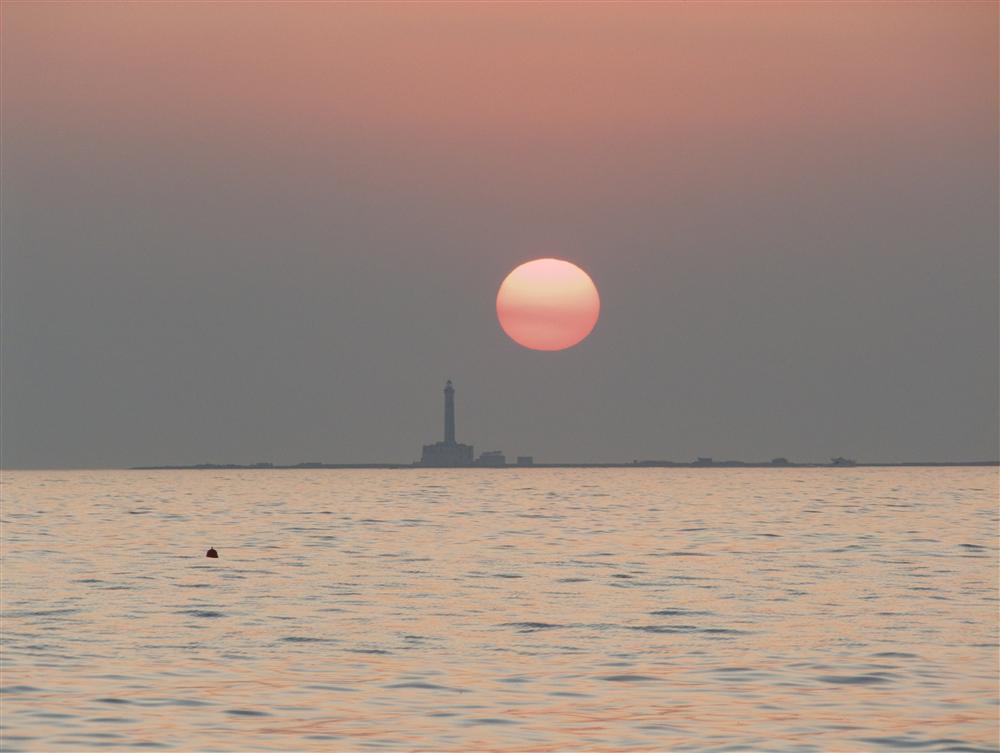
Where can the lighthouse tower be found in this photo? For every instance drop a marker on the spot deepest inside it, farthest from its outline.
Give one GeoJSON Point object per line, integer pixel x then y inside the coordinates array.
{"type": "Point", "coordinates": [449, 413]}
{"type": "Point", "coordinates": [449, 453]}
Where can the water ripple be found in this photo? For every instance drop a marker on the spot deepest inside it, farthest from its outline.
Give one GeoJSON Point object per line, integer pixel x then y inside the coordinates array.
{"type": "Point", "coordinates": [528, 610]}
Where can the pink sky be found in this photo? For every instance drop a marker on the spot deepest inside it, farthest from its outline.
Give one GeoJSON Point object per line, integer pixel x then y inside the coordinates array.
{"type": "Point", "coordinates": [789, 209]}
{"type": "Point", "coordinates": [553, 82]}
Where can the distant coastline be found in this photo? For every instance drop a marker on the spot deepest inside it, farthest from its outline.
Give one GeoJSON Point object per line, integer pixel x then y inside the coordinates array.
{"type": "Point", "coordinates": [449, 453]}
{"type": "Point", "coordinates": [633, 464]}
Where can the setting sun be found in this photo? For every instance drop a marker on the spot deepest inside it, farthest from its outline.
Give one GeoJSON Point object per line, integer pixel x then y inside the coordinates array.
{"type": "Point", "coordinates": [548, 304]}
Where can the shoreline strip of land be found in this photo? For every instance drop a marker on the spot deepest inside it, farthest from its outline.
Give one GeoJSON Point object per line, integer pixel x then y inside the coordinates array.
{"type": "Point", "coordinates": [634, 464]}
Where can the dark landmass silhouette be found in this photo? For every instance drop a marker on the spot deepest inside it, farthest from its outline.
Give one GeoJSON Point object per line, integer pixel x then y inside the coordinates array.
{"type": "Point", "coordinates": [632, 464]}
{"type": "Point", "coordinates": [451, 454]}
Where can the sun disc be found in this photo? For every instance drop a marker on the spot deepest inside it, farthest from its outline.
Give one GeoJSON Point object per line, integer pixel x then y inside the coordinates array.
{"type": "Point", "coordinates": [548, 304]}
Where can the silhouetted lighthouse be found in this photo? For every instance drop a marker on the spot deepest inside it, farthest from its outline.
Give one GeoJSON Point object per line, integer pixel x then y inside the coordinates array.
{"type": "Point", "coordinates": [449, 413]}
{"type": "Point", "coordinates": [449, 453]}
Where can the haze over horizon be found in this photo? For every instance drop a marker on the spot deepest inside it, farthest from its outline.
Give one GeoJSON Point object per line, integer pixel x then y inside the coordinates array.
{"type": "Point", "coordinates": [270, 232]}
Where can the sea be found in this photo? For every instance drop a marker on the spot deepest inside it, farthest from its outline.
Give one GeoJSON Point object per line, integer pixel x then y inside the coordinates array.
{"type": "Point", "coordinates": [531, 610]}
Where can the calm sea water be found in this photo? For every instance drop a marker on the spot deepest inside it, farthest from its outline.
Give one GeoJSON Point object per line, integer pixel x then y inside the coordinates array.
{"type": "Point", "coordinates": [517, 610]}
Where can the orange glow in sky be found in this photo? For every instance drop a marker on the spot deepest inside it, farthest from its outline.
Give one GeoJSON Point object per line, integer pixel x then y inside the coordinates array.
{"type": "Point", "coordinates": [548, 304]}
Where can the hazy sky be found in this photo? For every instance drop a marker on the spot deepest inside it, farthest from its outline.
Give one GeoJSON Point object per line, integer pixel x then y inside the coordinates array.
{"type": "Point", "coordinates": [238, 232]}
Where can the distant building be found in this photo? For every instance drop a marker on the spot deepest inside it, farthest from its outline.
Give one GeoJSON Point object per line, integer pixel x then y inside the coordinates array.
{"type": "Point", "coordinates": [704, 461]}
{"type": "Point", "coordinates": [779, 461]}
{"type": "Point", "coordinates": [493, 459]}
{"type": "Point", "coordinates": [449, 453]}
{"type": "Point", "coordinates": [525, 460]}
{"type": "Point", "coordinates": [842, 461]}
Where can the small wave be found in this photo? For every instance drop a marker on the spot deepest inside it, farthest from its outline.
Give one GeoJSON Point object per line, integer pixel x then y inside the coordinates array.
{"type": "Point", "coordinates": [945, 743]}
{"type": "Point", "coordinates": [686, 554]}
{"type": "Point", "coordinates": [18, 689]}
{"type": "Point", "coordinates": [334, 688]}
{"type": "Point", "coordinates": [113, 719]}
{"type": "Point", "coordinates": [685, 629]}
{"type": "Point", "coordinates": [490, 720]}
{"type": "Point", "coordinates": [531, 627]}
{"type": "Point", "coordinates": [187, 702]}
{"type": "Point", "coordinates": [40, 612]}
{"type": "Point", "coordinates": [664, 628]}
{"type": "Point", "coordinates": [870, 679]}
{"type": "Point", "coordinates": [416, 685]}
{"type": "Point", "coordinates": [307, 639]}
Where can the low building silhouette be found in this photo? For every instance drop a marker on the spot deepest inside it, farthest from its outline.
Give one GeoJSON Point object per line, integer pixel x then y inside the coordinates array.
{"type": "Point", "coordinates": [525, 460]}
{"type": "Point", "coordinates": [493, 459]}
{"type": "Point", "coordinates": [449, 453]}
